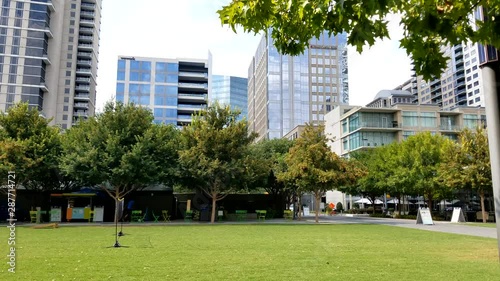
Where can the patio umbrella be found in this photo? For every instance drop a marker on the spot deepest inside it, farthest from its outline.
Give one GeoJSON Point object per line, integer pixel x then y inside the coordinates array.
{"type": "Point", "coordinates": [378, 201]}
{"type": "Point", "coordinates": [444, 202]}
{"type": "Point", "coordinates": [396, 201]}
{"type": "Point", "coordinates": [420, 203]}
{"type": "Point", "coordinates": [363, 201]}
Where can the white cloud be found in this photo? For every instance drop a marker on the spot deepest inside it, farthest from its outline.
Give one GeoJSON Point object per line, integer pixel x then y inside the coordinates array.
{"type": "Point", "coordinates": [190, 28]}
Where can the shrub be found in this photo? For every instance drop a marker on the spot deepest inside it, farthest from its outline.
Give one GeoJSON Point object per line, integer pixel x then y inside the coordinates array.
{"type": "Point", "coordinates": [377, 215]}
{"type": "Point", "coordinates": [339, 207]}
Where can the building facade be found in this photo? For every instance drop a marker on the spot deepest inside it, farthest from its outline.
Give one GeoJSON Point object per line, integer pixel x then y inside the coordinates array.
{"type": "Point", "coordinates": [48, 57]}
{"type": "Point", "coordinates": [288, 91]}
{"type": "Point", "coordinates": [173, 89]}
{"type": "Point", "coordinates": [355, 127]}
{"type": "Point", "coordinates": [460, 83]}
{"type": "Point", "coordinates": [230, 90]}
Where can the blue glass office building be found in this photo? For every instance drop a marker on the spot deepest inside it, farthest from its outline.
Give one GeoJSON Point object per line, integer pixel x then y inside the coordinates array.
{"type": "Point", "coordinates": [173, 89]}
{"type": "Point", "coordinates": [230, 90]}
{"type": "Point", "coordinates": [288, 91]}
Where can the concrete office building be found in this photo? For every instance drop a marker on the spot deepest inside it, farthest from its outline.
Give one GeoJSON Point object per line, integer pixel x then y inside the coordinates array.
{"type": "Point", "coordinates": [287, 91]}
{"type": "Point", "coordinates": [230, 90]}
{"type": "Point", "coordinates": [355, 127]}
{"type": "Point", "coordinates": [173, 89]}
{"type": "Point", "coordinates": [48, 56]}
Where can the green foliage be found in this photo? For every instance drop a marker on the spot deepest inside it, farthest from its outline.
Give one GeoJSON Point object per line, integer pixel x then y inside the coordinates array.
{"type": "Point", "coordinates": [313, 167]}
{"type": "Point", "coordinates": [268, 158]}
{"type": "Point", "coordinates": [29, 147]}
{"type": "Point", "coordinates": [215, 152]}
{"type": "Point", "coordinates": [427, 24]}
{"type": "Point", "coordinates": [119, 150]}
{"type": "Point", "coordinates": [467, 163]}
{"type": "Point", "coordinates": [339, 207]}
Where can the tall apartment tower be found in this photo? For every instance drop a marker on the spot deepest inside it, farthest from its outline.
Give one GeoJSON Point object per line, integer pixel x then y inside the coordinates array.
{"type": "Point", "coordinates": [48, 56]}
{"type": "Point", "coordinates": [460, 83]}
{"type": "Point", "coordinates": [230, 90]}
{"type": "Point", "coordinates": [287, 91]}
{"type": "Point", "coordinates": [173, 89]}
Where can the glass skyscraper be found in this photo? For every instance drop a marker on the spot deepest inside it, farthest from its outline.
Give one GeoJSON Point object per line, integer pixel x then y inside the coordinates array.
{"type": "Point", "coordinates": [48, 57]}
{"type": "Point", "coordinates": [287, 91]}
{"type": "Point", "coordinates": [173, 89]}
{"type": "Point", "coordinates": [230, 90]}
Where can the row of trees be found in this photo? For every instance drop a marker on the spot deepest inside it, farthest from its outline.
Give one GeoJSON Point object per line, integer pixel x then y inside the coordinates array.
{"type": "Point", "coordinates": [428, 165]}
{"type": "Point", "coordinates": [121, 150]}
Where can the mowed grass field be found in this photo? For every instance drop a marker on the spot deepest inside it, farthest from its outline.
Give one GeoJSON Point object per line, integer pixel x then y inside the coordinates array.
{"type": "Point", "coordinates": [249, 252]}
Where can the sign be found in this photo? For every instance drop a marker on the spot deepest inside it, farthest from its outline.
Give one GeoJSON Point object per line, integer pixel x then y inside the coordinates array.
{"type": "Point", "coordinates": [424, 216]}
{"type": "Point", "coordinates": [98, 214]}
{"type": "Point", "coordinates": [306, 211]}
{"type": "Point", "coordinates": [458, 215]}
{"type": "Point", "coordinates": [55, 215]}
{"type": "Point", "coordinates": [322, 206]}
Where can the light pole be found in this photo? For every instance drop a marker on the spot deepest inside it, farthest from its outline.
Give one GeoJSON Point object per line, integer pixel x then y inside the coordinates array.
{"type": "Point", "coordinates": [490, 70]}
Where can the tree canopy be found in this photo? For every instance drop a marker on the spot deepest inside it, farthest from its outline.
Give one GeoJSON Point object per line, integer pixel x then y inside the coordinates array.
{"type": "Point", "coordinates": [214, 154]}
{"type": "Point", "coordinates": [314, 168]}
{"type": "Point", "coordinates": [29, 147]}
{"type": "Point", "coordinates": [427, 25]}
{"type": "Point", "coordinates": [119, 150]}
{"type": "Point", "coordinates": [467, 164]}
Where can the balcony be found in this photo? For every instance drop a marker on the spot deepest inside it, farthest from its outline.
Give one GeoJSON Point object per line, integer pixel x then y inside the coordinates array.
{"type": "Point", "coordinates": [184, 118]}
{"type": "Point", "coordinates": [86, 30]}
{"type": "Point", "coordinates": [82, 79]}
{"type": "Point", "coordinates": [450, 128]}
{"type": "Point", "coordinates": [193, 86]}
{"type": "Point", "coordinates": [82, 97]}
{"type": "Point", "coordinates": [87, 22]}
{"type": "Point", "coordinates": [85, 54]}
{"type": "Point", "coordinates": [192, 97]}
{"type": "Point", "coordinates": [85, 38]}
{"type": "Point", "coordinates": [84, 114]}
{"type": "Point", "coordinates": [44, 88]}
{"type": "Point", "coordinates": [48, 32]}
{"type": "Point", "coordinates": [46, 59]}
{"type": "Point", "coordinates": [84, 71]}
{"type": "Point", "coordinates": [88, 5]}
{"type": "Point", "coordinates": [84, 46]}
{"type": "Point", "coordinates": [84, 62]}
{"type": "Point", "coordinates": [87, 13]}
{"type": "Point", "coordinates": [81, 105]}
{"type": "Point", "coordinates": [82, 88]}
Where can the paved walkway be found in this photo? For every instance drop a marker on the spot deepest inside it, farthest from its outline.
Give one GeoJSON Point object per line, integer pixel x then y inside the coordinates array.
{"type": "Point", "coordinates": [438, 226]}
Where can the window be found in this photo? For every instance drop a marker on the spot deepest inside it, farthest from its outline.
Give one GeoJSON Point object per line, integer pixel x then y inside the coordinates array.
{"type": "Point", "coordinates": [410, 119]}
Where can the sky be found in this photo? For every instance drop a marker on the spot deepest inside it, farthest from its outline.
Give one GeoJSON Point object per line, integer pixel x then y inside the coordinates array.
{"type": "Point", "coordinates": [191, 28]}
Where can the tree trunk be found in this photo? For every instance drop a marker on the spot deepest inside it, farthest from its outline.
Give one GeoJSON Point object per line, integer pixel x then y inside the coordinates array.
{"type": "Point", "coordinates": [484, 214]}
{"type": "Point", "coordinates": [299, 203]}
{"type": "Point", "coordinates": [398, 197]}
{"type": "Point", "coordinates": [116, 210]}
{"type": "Point", "coordinates": [317, 198]}
{"type": "Point", "coordinates": [214, 205]}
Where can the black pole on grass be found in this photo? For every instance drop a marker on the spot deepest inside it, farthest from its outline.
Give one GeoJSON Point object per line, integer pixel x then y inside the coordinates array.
{"type": "Point", "coordinates": [118, 215]}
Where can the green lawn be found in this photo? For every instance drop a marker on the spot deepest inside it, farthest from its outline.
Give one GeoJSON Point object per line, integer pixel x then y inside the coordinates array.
{"type": "Point", "coordinates": [250, 252]}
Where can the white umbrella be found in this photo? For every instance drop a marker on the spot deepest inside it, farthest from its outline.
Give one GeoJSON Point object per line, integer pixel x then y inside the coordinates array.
{"type": "Point", "coordinates": [444, 202]}
{"type": "Point", "coordinates": [363, 201]}
{"type": "Point", "coordinates": [378, 201]}
{"type": "Point", "coordinates": [421, 203]}
{"type": "Point", "coordinates": [396, 201]}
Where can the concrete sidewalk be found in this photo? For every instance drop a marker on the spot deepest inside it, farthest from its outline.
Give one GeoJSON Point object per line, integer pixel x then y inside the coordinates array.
{"type": "Point", "coordinates": [439, 226]}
